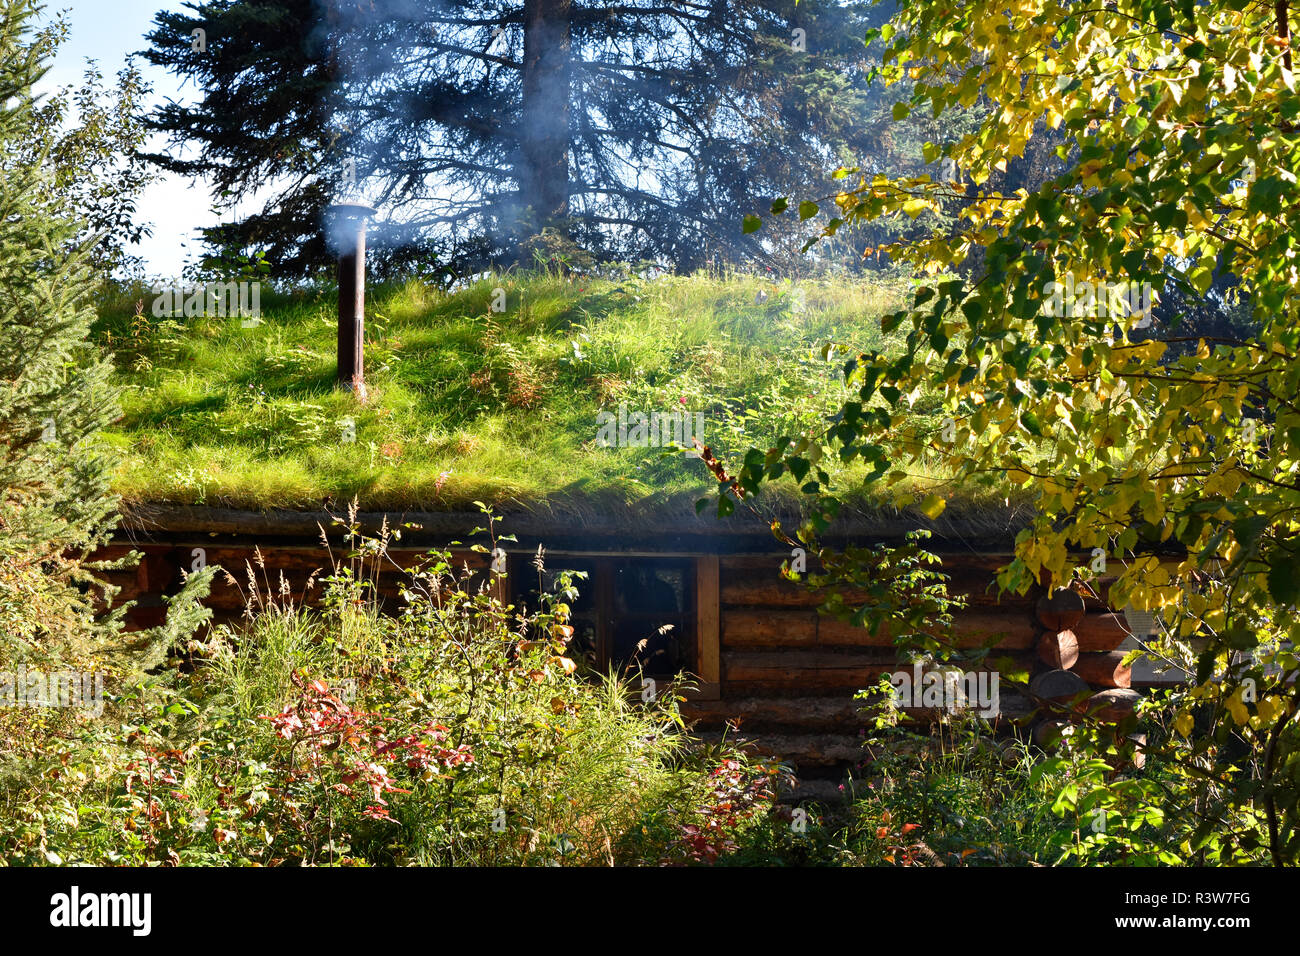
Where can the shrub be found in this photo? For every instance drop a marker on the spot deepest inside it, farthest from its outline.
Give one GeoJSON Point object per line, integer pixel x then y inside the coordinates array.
{"type": "Point", "coordinates": [456, 732]}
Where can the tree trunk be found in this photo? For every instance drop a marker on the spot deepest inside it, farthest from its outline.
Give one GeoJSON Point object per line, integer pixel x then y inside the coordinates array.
{"type": "Point", "coordinates": [543, 168]}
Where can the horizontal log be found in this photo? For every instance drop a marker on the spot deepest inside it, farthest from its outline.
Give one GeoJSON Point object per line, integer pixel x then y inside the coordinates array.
{"type": "Point", "coordinates": [782, 627]}
{"type": "Point", "coordinates": [764, 627]}
{"type": "Point", "coordinates": [776, 688]}
{"type": "Point", "coordinates": [127, 581]}
{"type": "Point", "coordinates": [751, 681]}
{"type": "Point", "coordinates": [742, 585]}
{"type": "Point", "coordinates": [836, 712]}
{"type": "Point", "coordinates": [771, 591]}
{"type": "Point", "coordinates": [977, 582]}
{"type": "Point", "coordinates": [813, 672]}
{"type": "Point", "coordinates": [806, 714]}
{"type": "Point", "coordinates": [1104, 670]}
{"type": "Point", "coordinates": [1100, 632]}
{"type": "Point", "coordinates": [971, 628]}
{"type": "Point", "coordinates": [781, 593]}
{"type": "Point", "coordinates": [832, 632]}
{"type": "Point", "coordinates": [802, 750]}
{"type": "Point", "coordinates": [817, 668]}
{"type": "Point", "coordinates": [130, 591]}
{"type": "Point", "coordinates": [985, 562]}
{"type": "Point", "coordinates": [306, 557]}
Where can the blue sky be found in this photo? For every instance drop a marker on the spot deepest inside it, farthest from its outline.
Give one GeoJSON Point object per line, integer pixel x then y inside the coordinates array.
{"type": "Point", "coordinates": [108, 31]}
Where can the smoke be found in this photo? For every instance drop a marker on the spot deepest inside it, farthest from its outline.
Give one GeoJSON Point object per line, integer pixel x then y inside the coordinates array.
{"type": "Point", "coordinates": [666, 130]}
{"type": "Point", "coordinates": [342, 223]}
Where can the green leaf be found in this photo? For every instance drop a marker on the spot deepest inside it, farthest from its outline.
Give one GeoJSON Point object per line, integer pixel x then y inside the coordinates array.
{"type": "Point", "coordinates": [901, 111]}
{"type": "Point", "coordinates": [1202, 278]}
{"type": "Point", "coordinates": [752, 224]}
{"type": "Point", "coordinates": [1284, 578]}
{"type": "Point", "coordinates": [808, 209]}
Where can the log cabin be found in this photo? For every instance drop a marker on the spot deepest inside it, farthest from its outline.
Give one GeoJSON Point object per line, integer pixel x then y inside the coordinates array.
{"type": "Point", "coordinates": [705, 594]}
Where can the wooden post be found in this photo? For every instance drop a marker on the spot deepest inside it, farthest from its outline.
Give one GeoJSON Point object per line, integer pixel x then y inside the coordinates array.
{"type": "Point", "coordinates": [707, 630]}
{"type": "Point", "coordinates": [349, 234]}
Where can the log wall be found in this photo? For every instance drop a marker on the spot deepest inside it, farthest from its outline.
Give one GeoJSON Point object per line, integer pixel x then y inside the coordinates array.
{"type": "Point", "coordinates": [249, 573]}
{"type": "Point", "coordinates": [767, 657]}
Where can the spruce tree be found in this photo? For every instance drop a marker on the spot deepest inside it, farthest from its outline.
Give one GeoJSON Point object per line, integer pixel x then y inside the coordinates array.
{"type": "Point", "coordinates": [638, 129]}
{"type": "Point", "coordinates": [55, 394]}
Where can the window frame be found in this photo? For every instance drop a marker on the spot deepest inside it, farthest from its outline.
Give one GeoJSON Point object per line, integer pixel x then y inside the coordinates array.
{"type": "Point", "coordinates": [697, 620]}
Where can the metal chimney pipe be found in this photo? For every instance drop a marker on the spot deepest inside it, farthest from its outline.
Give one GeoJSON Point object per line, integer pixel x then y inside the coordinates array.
{"type": "Point", "coordinates": [349, 230]}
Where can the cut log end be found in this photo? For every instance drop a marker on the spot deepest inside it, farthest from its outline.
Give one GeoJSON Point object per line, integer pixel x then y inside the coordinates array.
{"type": "Point", "coordinates": [1059, 686]}
{"type": "Point", "coordinates": [1061, 611]}
{"type": "Point", "coordinates": [1113, 705]}
{"type": "Point", "coordinates": [1059, 649]}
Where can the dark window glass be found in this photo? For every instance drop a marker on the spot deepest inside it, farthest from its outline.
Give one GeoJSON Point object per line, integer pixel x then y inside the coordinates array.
{"type": "Point", "coordinates": [630, 612]}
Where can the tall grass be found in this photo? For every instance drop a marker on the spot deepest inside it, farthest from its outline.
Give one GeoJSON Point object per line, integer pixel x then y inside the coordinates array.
{"type": "Point", "coordinates": [455, 733]}
{"type": "Point", "coordinates": [468, 404]}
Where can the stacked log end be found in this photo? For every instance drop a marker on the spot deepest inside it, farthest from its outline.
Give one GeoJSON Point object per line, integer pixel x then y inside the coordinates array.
{"type": "Point", "coordinates": [1080, 667]}
{"type": "Point", "coordinates": [1059, 649]}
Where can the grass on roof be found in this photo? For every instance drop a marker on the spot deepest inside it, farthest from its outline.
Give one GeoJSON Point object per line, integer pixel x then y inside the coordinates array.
{"type": "Point", "coordinates": [469, 404]}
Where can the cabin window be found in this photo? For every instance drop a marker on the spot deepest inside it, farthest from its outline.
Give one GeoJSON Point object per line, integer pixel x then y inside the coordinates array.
{"type": "Point", "coordinates": [630, 613]}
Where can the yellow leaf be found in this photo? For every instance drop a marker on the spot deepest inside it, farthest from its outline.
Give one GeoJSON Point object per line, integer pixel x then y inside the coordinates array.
{"type": "Point", "coordinates": [932, 506]}
{"type": "Point", "coordinates": [1238, 709]}
{"type": "Point", "coordinates": [1268, 708]}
